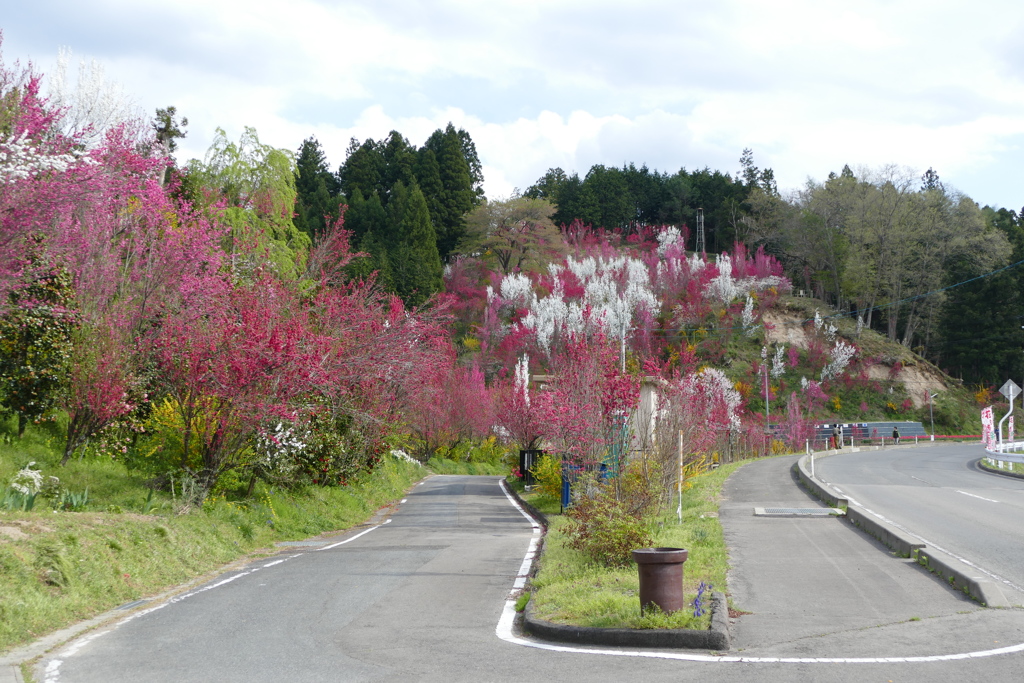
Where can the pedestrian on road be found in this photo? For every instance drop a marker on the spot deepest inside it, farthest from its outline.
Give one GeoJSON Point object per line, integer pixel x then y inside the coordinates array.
{"type": "Point", "coordinates": [896, 435]}
{"type": "Point", "coordinates": [839, 438]}
{"type": "Point", "coordinates": [835, 436]}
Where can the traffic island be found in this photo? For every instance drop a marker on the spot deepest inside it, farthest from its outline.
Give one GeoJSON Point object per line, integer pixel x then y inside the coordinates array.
{"type": "Point", "coordinates": [717, 637]}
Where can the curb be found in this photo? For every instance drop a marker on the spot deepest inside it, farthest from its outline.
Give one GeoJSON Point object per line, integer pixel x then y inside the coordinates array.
{"type": "Point", "coordinates": [534, 512]}
{"type": "Point", "coordinates": [980, 588]}
{"type": "Point", "coordinates": [818, 489]}
{"type": "Point", "coordinates": [887, 535]}
{"type": "Point", "coordinates": [996, 470]}
{"type": "Point", "coordinates": [959, 575]}
{"type": "Point", "coordinates": [715, 638]}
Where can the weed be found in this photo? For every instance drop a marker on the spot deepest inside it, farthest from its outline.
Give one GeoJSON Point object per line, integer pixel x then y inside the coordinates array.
{"type": "Point", "coordinates": [522, 601]}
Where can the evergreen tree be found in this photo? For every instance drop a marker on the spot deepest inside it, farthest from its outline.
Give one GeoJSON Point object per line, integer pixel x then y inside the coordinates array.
{"type": "Point", "coordinates": [316, 191]}
{"type": "Point", "coordinates": [457, 196]}
{"type": "Point", "coordinates": [363, 168]}
{"type": "Point", "coordinates": [412, 246]}
{"type": "Point", "coordinates": [36, 342]}
{"type": "Point", "coordinates": [364, 216]}
{"type": "Point", "coordinates": [981, 321]}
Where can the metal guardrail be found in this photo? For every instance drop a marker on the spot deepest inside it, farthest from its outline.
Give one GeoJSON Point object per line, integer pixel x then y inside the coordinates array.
{"type": "Point", "coordinates": [1004, 451]}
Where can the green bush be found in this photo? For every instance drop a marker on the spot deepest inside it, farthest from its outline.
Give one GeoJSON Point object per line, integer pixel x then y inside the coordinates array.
{"type": "Point", "coordinates": [602, 528]}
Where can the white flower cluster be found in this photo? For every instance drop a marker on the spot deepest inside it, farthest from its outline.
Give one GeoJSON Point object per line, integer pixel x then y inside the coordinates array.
{"type": "Point", "coordinates": [804, 383]}
{"type": "Point", "coordinates": [27, 481]}
{"type": "Point", "coordinates": [718, 385]}
{"type": "Point", "coordinates": [21, 160]}
{"type": "Point", "coordinates": [667, 238]}
{"type": "Point", "coordinates": [778, 364]}
{"type": "Point", "coordinates": [725, 287]}
{"type": "Point", "coordinates": [842, 353]}
{"type": "Point", "coordinates": [615, 290]}
{"type": "Point", "coordinates": [825, 328]}
{"type": "Point", "coordinates": [274, 447]}
{"type": "Point", "coordinates": [748, 317]}
{"type": "Point", "coordinates": [516, 287]}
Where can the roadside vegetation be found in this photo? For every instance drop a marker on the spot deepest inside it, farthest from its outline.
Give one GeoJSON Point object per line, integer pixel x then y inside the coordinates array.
{"type": "Point", "coordinates": [589, 580]}
{"type": "Point", "coordinates": [127, 540]}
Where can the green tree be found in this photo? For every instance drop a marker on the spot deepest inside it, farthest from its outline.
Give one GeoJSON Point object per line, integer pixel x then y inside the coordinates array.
{"type": "Point", "coordinates": [257, 184]}
{"type": "Point", "coordinates": [457, 194]}
{"type": "Point", "coordinates": [517, 232]}
{"type": "Point", "coordinates": [315, 189]}
{"type": "Point", "coordinates": [36, 341]}
{"type": "Point", "coordinates": [412, 246]}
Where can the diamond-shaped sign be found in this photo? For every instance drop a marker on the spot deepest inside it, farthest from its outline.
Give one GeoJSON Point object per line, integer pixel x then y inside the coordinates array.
{"type": "Point", "coordinates": [1010, 390]}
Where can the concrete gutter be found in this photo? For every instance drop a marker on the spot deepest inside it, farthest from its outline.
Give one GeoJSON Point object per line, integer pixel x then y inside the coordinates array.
{"type": "Point", "coordinates": [960, 576]}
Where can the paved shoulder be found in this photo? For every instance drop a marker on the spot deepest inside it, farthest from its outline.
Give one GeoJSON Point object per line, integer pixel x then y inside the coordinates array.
{"type": "Point", "coordinates": [817, 586]}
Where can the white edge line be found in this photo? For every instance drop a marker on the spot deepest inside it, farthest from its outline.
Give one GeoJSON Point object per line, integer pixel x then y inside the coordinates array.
{"type": "Point", "coordinates": [505, 630]}
{"type": "Point", "coordinates": [349, 540]}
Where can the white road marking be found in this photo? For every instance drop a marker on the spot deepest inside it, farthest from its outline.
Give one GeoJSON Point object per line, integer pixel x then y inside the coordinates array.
{"type": "Point", "coordinates": [349, 540]}
{"type": "Point", "coordinates": [505, 631]}
{"type": "Point", "coordinates": [52, 670]}
{"type": "Point", "coordinates": [979, 497]}
{"type": "Point", "coordinates": [402, 501]}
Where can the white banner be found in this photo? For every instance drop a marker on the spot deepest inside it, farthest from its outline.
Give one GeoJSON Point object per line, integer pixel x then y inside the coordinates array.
{"type": "Point", "coordinates": [987, 424]}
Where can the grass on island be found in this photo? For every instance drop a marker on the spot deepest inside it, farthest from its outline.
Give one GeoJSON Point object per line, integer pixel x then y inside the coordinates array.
{"type": "Point", "coordinates": [571, 589]}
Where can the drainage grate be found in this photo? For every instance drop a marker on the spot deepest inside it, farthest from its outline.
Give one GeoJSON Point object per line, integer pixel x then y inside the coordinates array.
{"type": "Point", "coordinates": [797, 512]}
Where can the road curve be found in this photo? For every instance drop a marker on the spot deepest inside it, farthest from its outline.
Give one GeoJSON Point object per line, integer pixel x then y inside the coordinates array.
{"type": "Point", "coordinates": [939, 494]}
{"type": "Point", "coordinates": [419, 599]}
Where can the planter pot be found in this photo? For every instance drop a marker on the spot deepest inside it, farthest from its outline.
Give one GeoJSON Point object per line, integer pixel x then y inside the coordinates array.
{"type": "Point", "coordinates": [661, 578]}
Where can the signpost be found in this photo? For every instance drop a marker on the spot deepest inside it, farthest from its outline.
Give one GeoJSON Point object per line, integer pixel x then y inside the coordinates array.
{"type": "Point", "coordinates": [1010, 390]}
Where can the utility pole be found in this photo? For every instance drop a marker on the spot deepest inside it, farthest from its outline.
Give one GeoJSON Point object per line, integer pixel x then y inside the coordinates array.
{"type": "Point", "coordinates": [700, 232]}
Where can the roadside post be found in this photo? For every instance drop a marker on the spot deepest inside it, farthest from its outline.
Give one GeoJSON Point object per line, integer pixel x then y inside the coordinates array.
{"type": "Point", "coordinates": [1010, 390]}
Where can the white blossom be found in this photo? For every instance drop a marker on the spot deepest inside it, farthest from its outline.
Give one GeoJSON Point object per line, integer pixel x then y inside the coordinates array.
{"type": "Point", "coordinates": [842, 353]}
{"type": "Point", "coordinates": [748, 316]}
{"type": "Point", "coordinates": [667, 238]}
{"type": "Point", "coordinates": [778, 364]}
{"type": "Point", "coordinates": [27, 481]}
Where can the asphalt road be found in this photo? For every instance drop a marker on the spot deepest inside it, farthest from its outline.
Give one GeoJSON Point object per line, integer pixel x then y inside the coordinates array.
{"type": "Point", "coordinates": [422, 598]}
{"type": "Point", "coordinates": [940, 495]}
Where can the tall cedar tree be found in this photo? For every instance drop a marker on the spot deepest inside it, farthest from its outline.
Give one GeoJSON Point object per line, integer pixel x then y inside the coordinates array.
{"type": "Point", "coordinates": [412, 245]}
{"type": "Point", "coordinates": [457, 194]}
{"type": "Point", "coordinates": [316, 190]}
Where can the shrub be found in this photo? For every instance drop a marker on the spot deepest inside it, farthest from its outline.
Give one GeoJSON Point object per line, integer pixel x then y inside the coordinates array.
{"type": "Point", "coordinates": [547, 471]}
{"type": "Point", "coordinates": [602, 528]}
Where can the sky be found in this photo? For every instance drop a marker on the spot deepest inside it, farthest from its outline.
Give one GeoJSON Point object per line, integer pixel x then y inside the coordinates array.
{"type": "Point", "coordinates": [808, 85]}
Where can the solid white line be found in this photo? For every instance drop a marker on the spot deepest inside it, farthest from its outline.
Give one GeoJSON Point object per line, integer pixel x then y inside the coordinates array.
{"type": "Point", "coordinates": [932, 544]}
{"type": "Point", "coordinates": [349, 540]}
{"type": "Point", "coordinates": [979, 497]}
{"type": "Point", "coordinates": [505, 630]}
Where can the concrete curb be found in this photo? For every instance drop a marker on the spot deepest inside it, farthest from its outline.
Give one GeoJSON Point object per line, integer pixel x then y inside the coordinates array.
{"type": "Point", "coordinates": [818, 489]}
{"type": "Point", "coordinates": [534, 512]}
{"type": "Point", "coordinates": [716, 638]}
{"type": "Point", "coordinates": [886, 534]}
{"type": "Point", "coordinates": [980, 588]}
{"type": "Point", "coordinates": [996, 470]}
{"type": "Point", "coordinates": [959, 575]}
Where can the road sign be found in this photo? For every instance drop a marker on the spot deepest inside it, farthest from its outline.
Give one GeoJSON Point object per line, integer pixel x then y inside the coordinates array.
{"type": "Point", "coordinates": [1010, 390]}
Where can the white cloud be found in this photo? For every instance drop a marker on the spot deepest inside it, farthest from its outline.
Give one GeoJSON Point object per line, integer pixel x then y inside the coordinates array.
{"type": "Point", "coordinates": [808, 85]}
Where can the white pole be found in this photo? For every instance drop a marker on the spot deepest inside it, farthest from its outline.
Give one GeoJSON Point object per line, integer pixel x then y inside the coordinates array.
{"type": "Point", "coordinates": [679, 510]}
{"type": "Point", "coordinates": [812, 465]}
